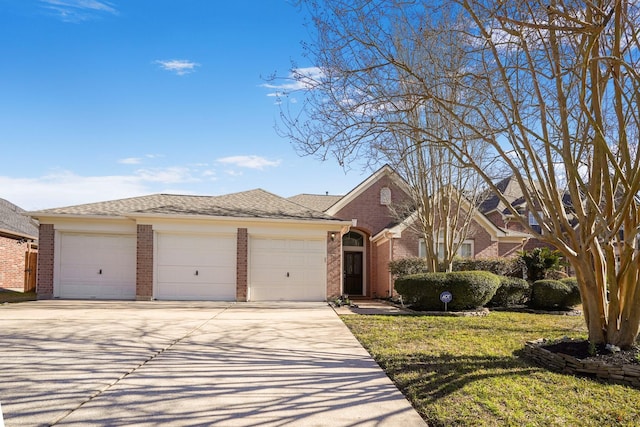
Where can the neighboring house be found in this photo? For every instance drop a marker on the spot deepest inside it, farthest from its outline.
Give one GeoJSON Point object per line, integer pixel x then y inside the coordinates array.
{"type": "Point", "coordinates": [18, 248]}
{"type": "Point", "coordinates": [495, 209]}
{"type": "Point", "coordinates": [248, 246]}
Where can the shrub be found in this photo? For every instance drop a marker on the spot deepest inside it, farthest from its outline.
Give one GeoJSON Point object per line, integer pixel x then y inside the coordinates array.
{"type": "Point", "coordinates": [470, 289]}
{"type": "Point", "coordinates": [573, 298]}
{"type": "Point", "coordinates": [554, 294]}
{"type": "Point", "coordinates": [406, 266]}
{"type": "Point", "coordinates": [512, 291]}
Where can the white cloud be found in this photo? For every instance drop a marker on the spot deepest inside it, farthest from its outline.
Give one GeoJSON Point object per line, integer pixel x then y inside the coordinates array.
{"type": "Point", "coordinates": [130, 161]}
{"type": "Point", "coordinates": [64, 188]}
{"type": "Point", "coordinates": [250, 162]}
{"type": "Point", "coordinates": [79, 10]}
{"type": "Point", "coordinates": [178, 66]}
{"type": "Point", "coordinates": [298, 79]}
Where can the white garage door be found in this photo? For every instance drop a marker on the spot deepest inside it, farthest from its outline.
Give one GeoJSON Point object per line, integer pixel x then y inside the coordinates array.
{"type": "Point", "coordinates": [196, 267]}
{"type": "Point", "coordinates": [287, 270]}
{"type": "Point", "coordinates": [97, 266]}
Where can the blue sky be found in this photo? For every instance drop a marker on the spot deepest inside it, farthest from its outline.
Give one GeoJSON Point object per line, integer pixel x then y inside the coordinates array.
{"type": "Point", "coordinates": [102, 100]}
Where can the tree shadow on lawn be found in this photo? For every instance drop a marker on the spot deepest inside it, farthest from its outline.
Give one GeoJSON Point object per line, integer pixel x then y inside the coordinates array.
{"type": "Point", "coordinates": [433, 377]}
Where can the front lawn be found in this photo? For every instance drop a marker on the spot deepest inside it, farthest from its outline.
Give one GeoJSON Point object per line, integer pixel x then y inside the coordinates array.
{"type": "Point", "coordinates": [462, 371]}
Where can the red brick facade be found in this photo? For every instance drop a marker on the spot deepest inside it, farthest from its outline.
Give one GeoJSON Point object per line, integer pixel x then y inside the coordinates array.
{"type": "Point", "coordinates": [12, 263]}
{"type": "Point", "coordinates": [46, 246]}
{"type": "Point", "coordinates": [334, 265]}
{"type": "Point", "coordinates": [144, 263]}
{"type": "Point", "coordinates": [242, 265]}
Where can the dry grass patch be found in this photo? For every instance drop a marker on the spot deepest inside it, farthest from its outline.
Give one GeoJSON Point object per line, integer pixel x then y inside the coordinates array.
{"type": "Point", "coordinates": [463, 371]}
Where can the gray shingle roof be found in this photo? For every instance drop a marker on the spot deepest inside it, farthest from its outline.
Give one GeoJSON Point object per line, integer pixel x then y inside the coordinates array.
{"type": "Point", "coordinates": [13, 220]}
{"type": "Point", "coordinates": [316, 202]}
{"type": "Point", "coordinates": [247, 204]}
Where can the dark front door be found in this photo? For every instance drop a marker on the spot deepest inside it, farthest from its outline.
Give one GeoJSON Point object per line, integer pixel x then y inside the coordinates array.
{"type": "Point", "coordinates": [353, 273]}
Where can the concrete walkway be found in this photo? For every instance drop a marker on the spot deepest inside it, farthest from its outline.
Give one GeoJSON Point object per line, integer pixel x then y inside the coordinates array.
{"type": "Point", "coordinates": [80, 363]}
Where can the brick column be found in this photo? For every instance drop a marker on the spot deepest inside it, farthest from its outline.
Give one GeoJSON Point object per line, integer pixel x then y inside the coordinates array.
{"type": "Point", "coordinates": [44, 281]}
{"type": "Point", "coordinates": [334, 265]}
{"type": "Point", "coordinates": [144, 263]}
{"type": "Point", "coordinates": [242, 264]}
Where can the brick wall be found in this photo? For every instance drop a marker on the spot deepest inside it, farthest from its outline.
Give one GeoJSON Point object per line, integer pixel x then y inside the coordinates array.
{"type": "Point", "coordinates": [372, 216]}
{"type": "Point", "coordinates": [380, 284]}
{"type": "Point", "coordinates": [144, 263]}
{"type": "Point", "coordinates": [242, 264]}
{"type": "Point", "coordinates": [334, 265]}
{"type": "Point", "coordinates": [12, 263]}
{"type": "Point", "coordinates": [44, 286]}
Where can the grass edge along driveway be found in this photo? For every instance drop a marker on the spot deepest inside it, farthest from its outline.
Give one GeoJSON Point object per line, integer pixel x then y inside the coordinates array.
{"type": "Point", "coordinates": [465, 371]}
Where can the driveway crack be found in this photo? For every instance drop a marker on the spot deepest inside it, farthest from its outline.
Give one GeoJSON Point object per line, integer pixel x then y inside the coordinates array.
{"type": "Point", "coordinates": [98, 393]}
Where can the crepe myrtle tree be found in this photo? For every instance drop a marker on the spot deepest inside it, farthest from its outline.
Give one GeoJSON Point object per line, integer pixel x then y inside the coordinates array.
{"type": "Point", "coordinates": [361, 108]}
{"type": "Point", "coordinates": [549, 89]}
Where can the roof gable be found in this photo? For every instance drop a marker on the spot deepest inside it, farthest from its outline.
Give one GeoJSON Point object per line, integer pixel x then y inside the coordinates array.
{"type": "Point", "coordinates": [385, 171]}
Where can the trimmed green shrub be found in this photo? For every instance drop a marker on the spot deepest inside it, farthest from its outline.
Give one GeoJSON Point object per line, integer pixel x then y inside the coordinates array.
{"type": "Point", "coordinates": [405, 266]}
{"type": "Point", "coordinates": [470, 289]}
{"type": "Point", "coordinates": [512, 291]}
{"type": "Point", "coordinates": [553, 295]}
{"type": "Point", "coordinates": [574, 297]}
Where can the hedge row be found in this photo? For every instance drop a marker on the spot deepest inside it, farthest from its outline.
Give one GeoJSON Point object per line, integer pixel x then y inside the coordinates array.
{"type": "Point", "coordinates": [499, 266]}
{"type": "Point", "coordinates": [473, 289]}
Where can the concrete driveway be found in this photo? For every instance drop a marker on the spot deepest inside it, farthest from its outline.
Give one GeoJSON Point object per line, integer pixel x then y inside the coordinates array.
{"type": "Point", "coordinates": [86, 363]}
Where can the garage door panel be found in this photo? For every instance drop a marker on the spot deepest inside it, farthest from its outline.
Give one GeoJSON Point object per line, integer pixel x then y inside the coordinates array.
{"type": "Point", "coordinates": [287, 269]}
{"type": "Point", "coordinates": [97, 266]}
{"type": "Point", "coordinates": [180, 256]}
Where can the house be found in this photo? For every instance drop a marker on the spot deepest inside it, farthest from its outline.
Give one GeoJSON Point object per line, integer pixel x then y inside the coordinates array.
{"type": "Point", "coordinates": [18, 248]}
{"type": "Point", "coordinates": [248, 246]}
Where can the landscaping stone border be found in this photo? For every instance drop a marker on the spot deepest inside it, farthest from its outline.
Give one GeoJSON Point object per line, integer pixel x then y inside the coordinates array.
{"type": "Point", "coordinates": [565, 364]}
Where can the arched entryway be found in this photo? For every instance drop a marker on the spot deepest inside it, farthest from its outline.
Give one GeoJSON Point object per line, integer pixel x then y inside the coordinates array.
{"type": "Point", "coordinates": [353, 263]}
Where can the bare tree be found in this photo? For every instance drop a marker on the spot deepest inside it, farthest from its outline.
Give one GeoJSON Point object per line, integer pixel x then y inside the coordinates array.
{"type": "Point", "coordinates": [371, 109]}
{"type": "Point", "coordinates": [550, 88]}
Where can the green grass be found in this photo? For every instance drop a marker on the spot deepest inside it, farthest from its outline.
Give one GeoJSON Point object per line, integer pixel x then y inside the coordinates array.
{"type": "Point", "coordinates": [12, 296]}
{"type": "Point", "coordinates": [462, 371]}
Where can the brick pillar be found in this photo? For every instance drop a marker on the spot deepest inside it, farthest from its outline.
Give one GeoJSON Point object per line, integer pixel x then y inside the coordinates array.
{"type": "Point", "coordinates": [242, 264]}
{"type": "Point", "coordinates": [144, 263]}
{"type": "Point", "coordinates": [44, 284]}
{"type": "Point", "coordinates": [334, 265]}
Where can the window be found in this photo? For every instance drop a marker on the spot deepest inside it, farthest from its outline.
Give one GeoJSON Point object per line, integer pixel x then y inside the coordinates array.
{"type": "Point", "coordinates": [532, 219]}
{"type": "Point", "coordinates": [385, 196]}
{"type": "Point", "coordinates": [464, 251]}
{"type": "Point", "coordinates": [352, 239]}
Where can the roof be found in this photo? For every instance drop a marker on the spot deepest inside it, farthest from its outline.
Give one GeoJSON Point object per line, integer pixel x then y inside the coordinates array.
{"type": "Point", "coordinates": [247, 204]}
{"type": "Point", "coordinates": [510, 189]}
{"type": "Point", "coordinates": [14, 222]}
{"type": "Point", "coordinates": [317, 202]}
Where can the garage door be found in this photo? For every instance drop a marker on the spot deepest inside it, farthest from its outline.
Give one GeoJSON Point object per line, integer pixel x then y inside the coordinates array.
{"type": "Point", "coordinates": [196, 267]}
{"type": "Point", "coordinates": [97, 266]}
{"type": "Point", "coordinates": [287, 270]}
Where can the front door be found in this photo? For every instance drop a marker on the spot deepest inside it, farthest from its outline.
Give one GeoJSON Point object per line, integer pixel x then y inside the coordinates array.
{"type": "Point", "coordinates": [353, 273]}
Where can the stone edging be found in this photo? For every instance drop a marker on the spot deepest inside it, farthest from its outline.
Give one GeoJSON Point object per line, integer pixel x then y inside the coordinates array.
{"type": "Point", "coordinates": [565, 364]}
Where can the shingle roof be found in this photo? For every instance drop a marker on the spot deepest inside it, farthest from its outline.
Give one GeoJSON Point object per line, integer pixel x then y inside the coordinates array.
{"type": "Point", "coordinates": [318, 202]}
{"type": "Point", "coordinates": [13, 220]}
{"type": "Point", "coordinates": [247, 204]}
{"type": "Point", "coordinates": [509, 188]}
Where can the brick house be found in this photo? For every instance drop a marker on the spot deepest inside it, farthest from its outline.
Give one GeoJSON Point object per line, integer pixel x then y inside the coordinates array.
{"type": "Point", "coordinates": [376, 237]}
{"type": "Point", "coordinates": [18, 248]}
{"type": "Point", "coordinates": [247, 246]}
